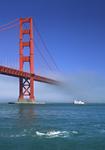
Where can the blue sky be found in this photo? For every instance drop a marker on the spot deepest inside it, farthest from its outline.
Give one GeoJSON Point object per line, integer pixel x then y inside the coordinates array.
{"type": "Point", "coordinates": [74, 31]}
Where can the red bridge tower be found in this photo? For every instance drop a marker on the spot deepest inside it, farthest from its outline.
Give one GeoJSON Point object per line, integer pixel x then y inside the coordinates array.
{"type": "Point", "coordinates": [26, 86]}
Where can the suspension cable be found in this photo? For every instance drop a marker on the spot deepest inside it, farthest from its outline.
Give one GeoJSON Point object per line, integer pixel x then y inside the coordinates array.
{"type": "Point", "coordinates": [11, 22]}
{"type": "Point", "coordinates": [43, 57]}
{"type": "Point", "coordinates": [46, 48]}
{"type": "Point", "coordinates": [41, 54]}
{"type": "Point", "coordinates": [9, 27]}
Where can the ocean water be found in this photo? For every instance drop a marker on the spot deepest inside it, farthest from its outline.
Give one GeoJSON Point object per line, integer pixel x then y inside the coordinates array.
{"type": "Point", "coordinates": [52, 127]}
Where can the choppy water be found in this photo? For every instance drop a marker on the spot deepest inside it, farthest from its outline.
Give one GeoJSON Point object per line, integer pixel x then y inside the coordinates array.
{"type": "Point", "coordinates": [52, 127]}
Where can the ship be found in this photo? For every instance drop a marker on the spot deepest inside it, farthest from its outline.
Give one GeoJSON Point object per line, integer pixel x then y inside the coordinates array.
{"type": "Point", "coordinates": [78, 102]}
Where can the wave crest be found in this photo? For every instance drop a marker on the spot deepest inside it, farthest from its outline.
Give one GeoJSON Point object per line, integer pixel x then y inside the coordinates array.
{"type": "Point", "coordinates": [53, 134]}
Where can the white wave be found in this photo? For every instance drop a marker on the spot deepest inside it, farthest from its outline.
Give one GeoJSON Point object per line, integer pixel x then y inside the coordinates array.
{"type": "Point", "coordinates": [74, 132]}
{"type": "Point", "coordinates": [53, 134]}
{"type": "Point", "coordinates": [39, 133]}
{"type": "Point", "coordinates": [17, 135]}
{"type": "Point", "coordinates": [47, 134]}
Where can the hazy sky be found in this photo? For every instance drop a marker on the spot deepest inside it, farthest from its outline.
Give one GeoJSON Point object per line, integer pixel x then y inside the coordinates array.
{"type": "Point", "coordinates": [74, 31]}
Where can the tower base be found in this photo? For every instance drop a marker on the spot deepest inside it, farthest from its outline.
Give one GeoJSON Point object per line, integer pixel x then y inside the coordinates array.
{"type": "Point", "coordinates": [30, 102]}
{"type": "Point", "coordinates": [25, 102]}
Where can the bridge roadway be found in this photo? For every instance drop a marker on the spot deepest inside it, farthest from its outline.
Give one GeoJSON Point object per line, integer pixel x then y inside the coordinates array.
{"type": "Point", "coordinates": [20, 74]}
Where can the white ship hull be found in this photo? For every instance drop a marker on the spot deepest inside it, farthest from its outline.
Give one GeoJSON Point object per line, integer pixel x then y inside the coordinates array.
{"type": "Point", "coordinates": [79, 102]}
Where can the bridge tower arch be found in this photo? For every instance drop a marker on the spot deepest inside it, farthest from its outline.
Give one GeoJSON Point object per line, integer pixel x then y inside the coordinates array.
{"type": "Point", "coordinates": [26, 86]}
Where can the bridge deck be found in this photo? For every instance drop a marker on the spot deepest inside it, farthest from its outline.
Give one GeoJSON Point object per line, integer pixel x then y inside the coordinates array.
{"type": "Point", "coordinates": [20, 74]}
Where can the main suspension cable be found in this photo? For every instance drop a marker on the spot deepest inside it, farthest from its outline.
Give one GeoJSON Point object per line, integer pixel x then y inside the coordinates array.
{"type": "Point", "coordinates": [45, 46]}
{"type": "Point", "coordinates": [11, 22]}
{"type": "Point", "coordinates": [43, 57]}
{"type": "Point", "coordinates": [8, 27]}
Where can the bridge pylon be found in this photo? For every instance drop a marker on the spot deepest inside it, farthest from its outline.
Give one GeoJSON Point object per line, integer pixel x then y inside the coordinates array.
{"type": "Point", "coordinates": [26, 86]}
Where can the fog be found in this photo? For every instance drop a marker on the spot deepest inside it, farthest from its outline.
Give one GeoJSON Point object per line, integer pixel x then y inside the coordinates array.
{"type": "Point", "coordinates": [87, 86]}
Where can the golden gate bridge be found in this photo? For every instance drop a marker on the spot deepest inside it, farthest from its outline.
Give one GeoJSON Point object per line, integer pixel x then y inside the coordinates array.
{"type": "Point", "coordinates": [26, 79]}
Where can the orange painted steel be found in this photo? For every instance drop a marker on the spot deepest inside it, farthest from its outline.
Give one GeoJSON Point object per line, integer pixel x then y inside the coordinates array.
{"type": "Point", "coordinates": [26, 79]}
{"type": "Point", "coordinates": [26, 86]}
{"type": "Point", "coordinates": [20, 74]}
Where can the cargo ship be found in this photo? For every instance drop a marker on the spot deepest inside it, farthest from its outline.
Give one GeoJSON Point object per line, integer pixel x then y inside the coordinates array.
{"type": "Point", "coordinates": [78, 102]}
